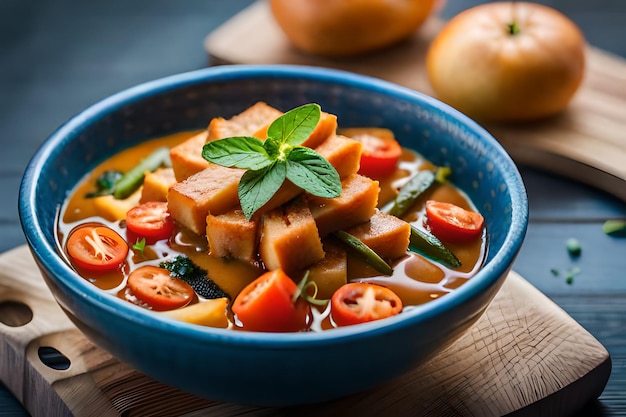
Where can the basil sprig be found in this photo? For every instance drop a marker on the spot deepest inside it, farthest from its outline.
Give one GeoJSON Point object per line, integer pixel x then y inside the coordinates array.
{"type": "Point", "coordinates": [279, 157]}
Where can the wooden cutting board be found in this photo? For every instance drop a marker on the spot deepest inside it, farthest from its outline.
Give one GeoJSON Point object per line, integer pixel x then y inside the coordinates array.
{"type": "Point", "coordinates": [525, 356]}
{"type": "Point", "coordinates": [587, 142]}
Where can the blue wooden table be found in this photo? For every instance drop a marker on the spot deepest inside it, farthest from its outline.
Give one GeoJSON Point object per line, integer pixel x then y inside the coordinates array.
{"type": "Point", "coordinates": [57, 57]}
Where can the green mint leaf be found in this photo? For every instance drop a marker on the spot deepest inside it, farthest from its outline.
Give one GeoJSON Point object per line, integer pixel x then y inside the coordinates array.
{"type": "Point", "coordinates": [280, 156]}
{"type": "Point", "coordinates": [257, 187]}
{"type": "Point", "coordinates": [239, 151]}
{"type": "Point", "coordinates": [310, 171]}
{"type": "Point", "coordinates": [295, 126]}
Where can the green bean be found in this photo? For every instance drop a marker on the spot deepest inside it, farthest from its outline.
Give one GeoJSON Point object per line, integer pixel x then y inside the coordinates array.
{"type": "Point", "coordinates": [415, 187]}
{"type": "Point", "coordinates": [132, 179]}
{"type": "Point", "coordinates": [364, 251]}
{"type": "Point", "coordinates": [407, 195]}
{"type": "Point", "coordinates": [428, 245]}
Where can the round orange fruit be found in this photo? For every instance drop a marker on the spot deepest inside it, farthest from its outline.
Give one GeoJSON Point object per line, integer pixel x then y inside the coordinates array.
{"type": "Point", "coordinates": [507, 61]}
{"type": "Point", "coordinates": [336, 28]}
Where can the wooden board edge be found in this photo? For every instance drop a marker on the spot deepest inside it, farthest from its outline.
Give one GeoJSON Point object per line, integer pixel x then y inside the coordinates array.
{"type": "Point", "coordinates": [101, 380]}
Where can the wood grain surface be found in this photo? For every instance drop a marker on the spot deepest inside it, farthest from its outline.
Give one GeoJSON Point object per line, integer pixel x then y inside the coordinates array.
{"type": "Point", "coordinates": [586, 142]}
{"type": "Point", "coordinates": [524, 356]}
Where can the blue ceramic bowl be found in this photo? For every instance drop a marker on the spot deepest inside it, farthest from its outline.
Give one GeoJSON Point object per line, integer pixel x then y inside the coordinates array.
{"type": "Point", "coordinates": [259, 368]}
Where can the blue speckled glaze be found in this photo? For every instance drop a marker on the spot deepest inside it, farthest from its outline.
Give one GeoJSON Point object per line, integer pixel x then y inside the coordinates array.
{"type": "Point", "coordinates": [258, 368]}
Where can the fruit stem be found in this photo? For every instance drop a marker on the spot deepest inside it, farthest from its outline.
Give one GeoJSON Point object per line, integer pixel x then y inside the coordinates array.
{"type": "Point", "coordinates": [513, 28]}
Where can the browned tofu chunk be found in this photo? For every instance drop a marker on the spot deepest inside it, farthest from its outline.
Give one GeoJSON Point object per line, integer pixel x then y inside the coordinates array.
{"type": "Point", "coordinates": [212, 190]}
{"type": "Point", "coordinates": [326, 127]}
{"type": "Point", "coordinates": [156, 184]}
{"type": "Point", "coordinates": [289, 238]}
{"type": "Point", "coordinates": [356, 204]}
{"type": "Point", "coordinates": [385, 234]}
{"type": "Point", "coordinates": [343, 153]}
{"type": "Point", "coordinates": [247, 123]}
{"type": "Point", "coordinates": [230, 235]}
{"type": "Point", "coordinates": [187, 157]}
{"type": "Point", "coordinates": [331, 272]}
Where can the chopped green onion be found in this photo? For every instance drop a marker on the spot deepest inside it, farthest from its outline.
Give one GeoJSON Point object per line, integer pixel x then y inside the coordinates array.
{"type": "Point", "coordinates": [303, 285]}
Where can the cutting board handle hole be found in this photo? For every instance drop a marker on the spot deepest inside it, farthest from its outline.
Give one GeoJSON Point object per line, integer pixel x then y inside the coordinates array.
{"type": "Point", "coordinates": [52, 358]}
{"type": "Point", "coordinates": [15, 313]}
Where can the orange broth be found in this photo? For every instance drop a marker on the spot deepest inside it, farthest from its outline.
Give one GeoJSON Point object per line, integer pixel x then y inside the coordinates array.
{"type": "Point", "coordinates": [415, 279]}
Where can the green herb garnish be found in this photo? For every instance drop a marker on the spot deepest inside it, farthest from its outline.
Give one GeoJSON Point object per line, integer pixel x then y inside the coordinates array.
{"type": "Point", "coordinates": [573, 247]}
{"type": "Point", "coordinates": [279, 157]}
{"type": "Point", "coordinates": [570, 274]}
{"type": "Point", "coordinates": [105, 183]}
{"type": "Point", "coordinates": [184, 268]}
{"type": "Point", "coordinates": [140, 245]}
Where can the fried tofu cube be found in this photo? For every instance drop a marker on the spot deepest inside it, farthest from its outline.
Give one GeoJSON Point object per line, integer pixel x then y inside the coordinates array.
{"type": "Point", "coordinates": [231, 235]}
{"type": "Point", "coordinates": [331, 272]}
{"type": "Point", "coordinates": [212, 190]}
{"type": "Point", "coordinates": [356, 204]}
{"type": "Point", "coordinates": [385, 234]}
{"type": "Point", "coordinates": [289, 238]}
{"type": "Point", "coordinates": [343, 153]}
{"type": "Point", "coordinates": [113, 209]}
{"type": "Point", "coordinates": [187, 157]}
{"type": "Point", "coordinates": [326, 128]}
{"type": "Point", "coordinates": [156, 184]}
{"type": "Point", "coordinates": [247, 123]}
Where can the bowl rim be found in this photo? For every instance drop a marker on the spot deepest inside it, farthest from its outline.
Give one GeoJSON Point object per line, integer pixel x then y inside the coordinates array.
{"type": "Point", "coordinates": [47, 255]}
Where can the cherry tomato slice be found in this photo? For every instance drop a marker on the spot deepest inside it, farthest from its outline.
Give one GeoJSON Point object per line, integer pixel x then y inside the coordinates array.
{"type": "Point", "coordinates": [157, 288]}
{"type": "Point", "coordinates": [96, 248]}
{"type": "Point", "coordinates": [380, 154]}
{"type": "Point", "coordinates": [266, 305]}
{"type": "Point", "coordinates": [452, 223]}
{"type": "Point", "coordinates": [149, 220]}
{"type": "Point", "coordinates": [359, 302]}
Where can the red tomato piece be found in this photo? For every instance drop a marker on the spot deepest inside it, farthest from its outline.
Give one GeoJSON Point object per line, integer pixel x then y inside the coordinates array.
{"type": "Point", "coordinates": [96, 248]}
{"type": "Point", "coordinates": [157, 288]}
{"type": "Point", "coordinates": [266, 305]}
{"type": "Point", "coordinates": [359, 302]}
{"type": "Point", "coordinates": [149, 220]}
{"type": "Point", "coordinates": [452, 223]}
{"type": "Point", "coordinates": [380, 155]}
